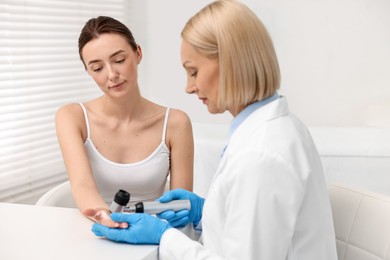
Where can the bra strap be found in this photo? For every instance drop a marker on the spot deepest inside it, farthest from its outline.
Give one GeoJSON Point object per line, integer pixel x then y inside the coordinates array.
{"type": "Point", "coordinates": [86, 119]}
{"type": "Point", "coordinates": [165, 124]}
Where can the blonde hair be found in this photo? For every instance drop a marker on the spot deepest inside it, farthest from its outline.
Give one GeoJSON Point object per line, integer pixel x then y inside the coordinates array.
{"type": "Point", "coordinates": [230, 32]}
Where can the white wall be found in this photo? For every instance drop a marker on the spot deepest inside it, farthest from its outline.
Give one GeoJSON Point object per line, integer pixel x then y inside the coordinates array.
{"type": "Point", "coordinates": [334, 57]}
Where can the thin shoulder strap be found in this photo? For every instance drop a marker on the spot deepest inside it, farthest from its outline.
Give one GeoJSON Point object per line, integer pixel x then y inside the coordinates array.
{"type": "Point", "coordinates": [86, 119]}
{"type": "Point", "coordinates": [165, 124]}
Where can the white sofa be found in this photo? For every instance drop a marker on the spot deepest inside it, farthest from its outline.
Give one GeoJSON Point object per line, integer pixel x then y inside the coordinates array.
{"type": "Point", "coordinates": [355, 156]}
{"type": "Point", "coordinates": [362, 223]}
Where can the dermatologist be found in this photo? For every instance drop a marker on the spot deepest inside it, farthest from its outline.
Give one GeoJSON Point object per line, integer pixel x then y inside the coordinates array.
{"type": "Point", "coordinates": [268, 199]}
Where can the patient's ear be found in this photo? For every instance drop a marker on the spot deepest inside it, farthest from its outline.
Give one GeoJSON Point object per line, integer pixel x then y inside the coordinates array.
{"type": "Point", "coordinates": [139, 54]}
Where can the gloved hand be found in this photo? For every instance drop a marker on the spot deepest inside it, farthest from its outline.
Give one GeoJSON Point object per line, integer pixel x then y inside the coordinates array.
{"type": "Point", "coordinates": [143, 229]}
{"type": "Point", "coordinates": [183, 217]}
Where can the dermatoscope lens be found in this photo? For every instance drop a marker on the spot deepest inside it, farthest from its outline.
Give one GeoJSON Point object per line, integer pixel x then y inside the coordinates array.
{"type": "Point", "coordinates": [122, 197]}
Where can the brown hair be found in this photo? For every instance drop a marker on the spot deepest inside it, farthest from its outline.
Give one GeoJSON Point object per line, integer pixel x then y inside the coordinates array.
{"type": "Point", "coordinates": [103, 24]}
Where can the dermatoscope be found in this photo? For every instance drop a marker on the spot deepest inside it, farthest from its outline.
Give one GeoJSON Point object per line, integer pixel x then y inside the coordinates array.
{"type": "Point", "coordinates": [122, 198]}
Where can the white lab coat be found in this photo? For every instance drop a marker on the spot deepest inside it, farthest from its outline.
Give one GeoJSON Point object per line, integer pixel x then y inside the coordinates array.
{"type": "Point", "coordinates": [268, 199]}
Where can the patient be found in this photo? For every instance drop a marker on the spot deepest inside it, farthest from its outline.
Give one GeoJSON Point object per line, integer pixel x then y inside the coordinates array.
{"type": "Point", "coordinates": [120, 140]}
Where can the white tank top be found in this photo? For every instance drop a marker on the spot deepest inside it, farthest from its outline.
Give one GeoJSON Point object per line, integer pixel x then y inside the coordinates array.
{"type": "Point", "coordinates": [144, 180]}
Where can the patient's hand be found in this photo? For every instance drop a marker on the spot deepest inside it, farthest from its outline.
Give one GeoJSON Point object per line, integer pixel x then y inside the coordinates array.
{"type": "Point", "coordinates": [102, 216]}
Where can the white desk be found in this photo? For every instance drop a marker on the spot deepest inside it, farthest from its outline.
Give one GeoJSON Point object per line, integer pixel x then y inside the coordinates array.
{"type": "Point", "coordinates": [39, 232]}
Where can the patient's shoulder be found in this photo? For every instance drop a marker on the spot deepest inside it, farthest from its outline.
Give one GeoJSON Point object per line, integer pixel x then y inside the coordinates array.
{"type": "Point", "coordinates": [178, 119]}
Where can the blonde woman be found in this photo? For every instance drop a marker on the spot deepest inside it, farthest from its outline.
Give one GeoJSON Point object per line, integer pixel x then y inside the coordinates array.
{"type": "Point", "coordinates": [268, 199]}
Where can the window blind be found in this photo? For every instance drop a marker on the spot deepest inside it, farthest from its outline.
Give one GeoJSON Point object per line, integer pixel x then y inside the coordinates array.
{"type": "Point", "coordinates": [40, 71]}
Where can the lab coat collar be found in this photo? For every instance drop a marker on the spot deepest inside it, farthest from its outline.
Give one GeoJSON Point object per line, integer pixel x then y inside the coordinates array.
{"type": "Point", "coordinates": [245, 113]}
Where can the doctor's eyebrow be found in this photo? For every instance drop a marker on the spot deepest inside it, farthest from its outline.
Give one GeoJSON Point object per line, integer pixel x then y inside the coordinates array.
{"type": "Point", "coordinates": [112, 55]}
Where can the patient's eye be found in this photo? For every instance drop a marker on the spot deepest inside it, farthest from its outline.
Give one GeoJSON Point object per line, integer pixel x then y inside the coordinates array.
{"type": "Point", "coordinates": [120, 60]}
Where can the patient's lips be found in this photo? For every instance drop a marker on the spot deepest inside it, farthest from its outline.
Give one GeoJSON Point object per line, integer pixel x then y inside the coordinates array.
{"type": "Point", "coordinates": [116, 86]}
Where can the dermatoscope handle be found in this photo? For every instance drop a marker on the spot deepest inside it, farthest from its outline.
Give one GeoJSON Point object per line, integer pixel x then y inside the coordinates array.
{"type": "Point", "coordinates": [155, 207]}
{"type": "Point", "coordinates": [122, 198]}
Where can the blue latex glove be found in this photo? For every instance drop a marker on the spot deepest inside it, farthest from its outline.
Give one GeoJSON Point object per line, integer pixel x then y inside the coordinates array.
{"type": "Point", "coordinates": [143, 229]}
{"type": "Point", "coordinates": [183, 217]}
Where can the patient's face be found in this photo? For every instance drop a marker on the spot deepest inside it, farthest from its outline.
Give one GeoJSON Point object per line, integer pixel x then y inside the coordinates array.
{"type": "Point", "coordinates": [112, 63]}
{"type": "Point", "coordinates": [202, 76]}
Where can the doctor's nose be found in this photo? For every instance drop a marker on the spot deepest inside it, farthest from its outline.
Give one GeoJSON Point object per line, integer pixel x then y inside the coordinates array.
{"type": "Point", "coordinates": [191, 89]}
